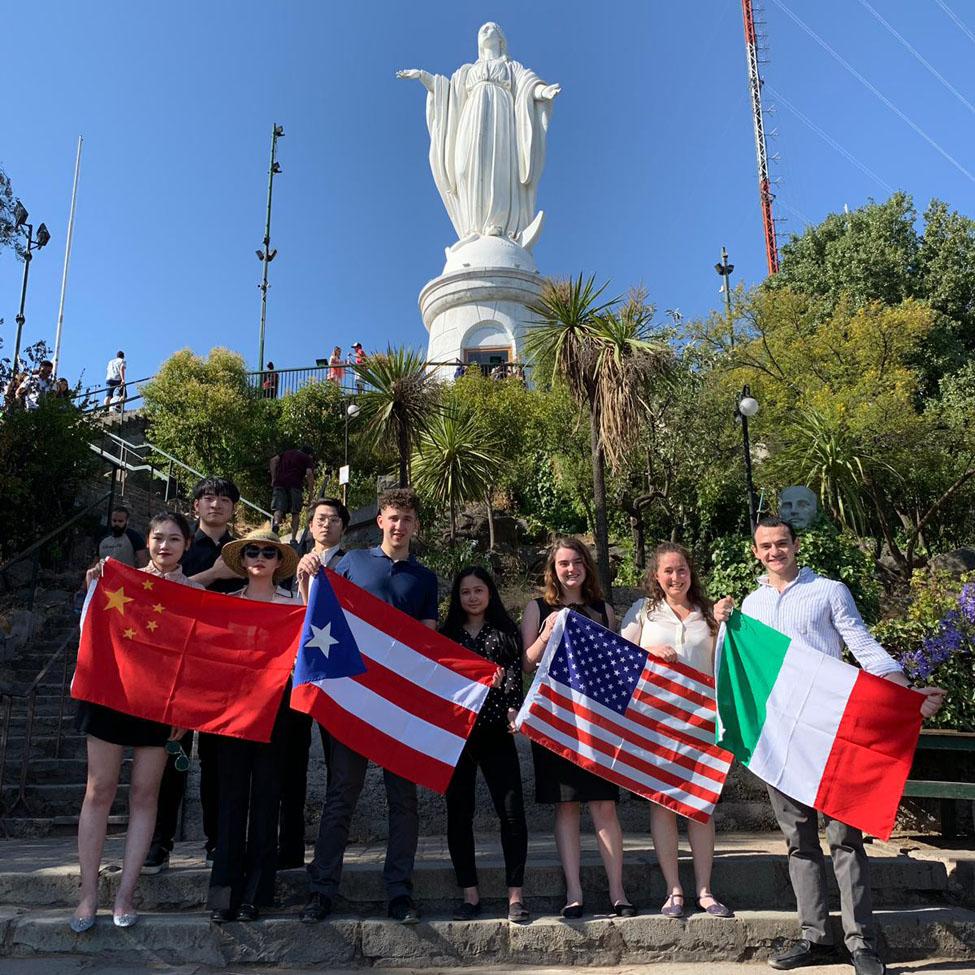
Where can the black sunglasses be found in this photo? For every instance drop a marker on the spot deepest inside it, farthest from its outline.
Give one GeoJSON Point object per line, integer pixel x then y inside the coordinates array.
{"type": "Point", "coordinates": [181, 761]}
{"type": "Point", "coordinates": [253, 551]}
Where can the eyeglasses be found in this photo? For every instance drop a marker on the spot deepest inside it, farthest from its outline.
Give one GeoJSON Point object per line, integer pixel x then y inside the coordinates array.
{"type": "Point", "coordinates": [181, 762]}
{"type": "Point", "coordinates": [255, 551]}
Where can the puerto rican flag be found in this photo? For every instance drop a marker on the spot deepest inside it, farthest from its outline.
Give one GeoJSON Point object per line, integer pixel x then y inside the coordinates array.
{"type": "Point", "coordinates": [385, 685]}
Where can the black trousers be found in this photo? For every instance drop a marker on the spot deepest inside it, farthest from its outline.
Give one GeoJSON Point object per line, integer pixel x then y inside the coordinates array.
{"type": "Point", "coordinates": [250, 774]}
{"type": "Point", "coordinates": [494, 751]}
{"type": "Point", "coordinates": [294, 788]}
{"type": "Point", "coordinates": [346, 777]}
{"type": "Point", "coordinates": [173, 788]}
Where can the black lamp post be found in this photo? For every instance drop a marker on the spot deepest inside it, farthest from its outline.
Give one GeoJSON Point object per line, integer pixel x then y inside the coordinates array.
{"type": "Point", "coordinates": [747, 406]}
{"type": "Point", "coordinates": [266, 254]}
{"type": "Point", "coordinates": [21, 224]}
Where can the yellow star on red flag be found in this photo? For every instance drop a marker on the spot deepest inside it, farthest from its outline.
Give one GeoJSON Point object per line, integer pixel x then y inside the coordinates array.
{"type": "Point", "coordinates": [147, 584]}
{"type": "Point", "coordinates": [117, 600]}
{"type": "Point", "coordinates": [128, 633]}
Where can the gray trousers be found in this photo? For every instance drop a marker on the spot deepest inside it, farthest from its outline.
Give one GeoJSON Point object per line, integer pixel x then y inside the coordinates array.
{"type": "Point", "coordinates": [807, 871]}
{"type": "Point", "coordinates": [346, 776]}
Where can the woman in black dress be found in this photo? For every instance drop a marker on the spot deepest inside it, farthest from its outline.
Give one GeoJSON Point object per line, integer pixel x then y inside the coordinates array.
{"type": "Point", "coordinates": [478, 620]}
{"type": "Point", "coordinates": [109, 733]}
{"type": "Point", "coordinates": [571, 581]}
{"type": "Point", "coordinates": [250, 772]}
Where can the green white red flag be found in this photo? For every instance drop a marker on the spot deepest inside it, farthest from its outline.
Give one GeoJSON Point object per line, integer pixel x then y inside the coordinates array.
{"type": "Point", "coordinates": [823, 732]}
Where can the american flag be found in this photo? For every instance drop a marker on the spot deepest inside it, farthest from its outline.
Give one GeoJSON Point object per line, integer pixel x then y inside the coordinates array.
{"type": "Point", "coordinates": [384, 684]}
{"type": "Point", "coordinates": [603, 703]}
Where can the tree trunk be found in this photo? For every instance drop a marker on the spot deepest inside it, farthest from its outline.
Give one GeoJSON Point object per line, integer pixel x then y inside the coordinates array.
{"type": "Point", "coordinates": [601, 522]}
{"type": "Point", "coordinates": [490, 519]}
{"type": "Point", "coordinates": [639, 539]}
{"type": "Point", "coordinates": [453, 521]}
{"type": "Point", "coordinates": [404, 459]}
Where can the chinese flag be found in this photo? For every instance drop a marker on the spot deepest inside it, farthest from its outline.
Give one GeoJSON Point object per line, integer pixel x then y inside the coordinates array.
{"type": "Point", "coordinates": [185, 656]}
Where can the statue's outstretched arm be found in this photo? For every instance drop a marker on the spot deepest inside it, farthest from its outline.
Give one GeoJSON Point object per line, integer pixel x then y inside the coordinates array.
{"type": "Point", "coordinates": [546, 93]}
{"type": "Point", "coordinates": [417, 74]}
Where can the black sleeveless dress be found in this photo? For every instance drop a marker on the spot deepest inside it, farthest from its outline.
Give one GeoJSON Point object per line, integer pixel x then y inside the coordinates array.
{"type": "Point", "coordinates": [556, 778]}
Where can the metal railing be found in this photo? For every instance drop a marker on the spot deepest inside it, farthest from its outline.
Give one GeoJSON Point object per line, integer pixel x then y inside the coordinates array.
{"type": "Point", "coordinates": [132, 457]}
{"type": "Point", "coordinates": [275, 383]}
{"type": "Point", "coordinates": [29, 696]}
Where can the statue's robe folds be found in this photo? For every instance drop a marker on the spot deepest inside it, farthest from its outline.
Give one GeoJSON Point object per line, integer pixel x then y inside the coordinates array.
{"type": "Point", "coordinates": [487, 146]}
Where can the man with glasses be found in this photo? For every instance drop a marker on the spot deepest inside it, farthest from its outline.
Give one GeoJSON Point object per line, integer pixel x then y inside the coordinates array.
{"type": "Point", "coordinates": [328, 519]}
{"type": "Point", "coordinates": [214, 499]}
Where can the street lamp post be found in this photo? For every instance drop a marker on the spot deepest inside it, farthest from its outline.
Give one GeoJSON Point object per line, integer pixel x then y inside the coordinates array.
{"type": "Point", "coordinates": [266, 255]}
{"type": "Point", "coordinates": [21, 224]}
{"type": "Point", "coordinates": [747, 406]}
{"type": "Point", "coordinates": [350, 411]}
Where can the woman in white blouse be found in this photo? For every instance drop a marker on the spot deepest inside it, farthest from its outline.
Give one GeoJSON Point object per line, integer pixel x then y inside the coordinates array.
{"type": "Point", "coordinates": [676, 623]}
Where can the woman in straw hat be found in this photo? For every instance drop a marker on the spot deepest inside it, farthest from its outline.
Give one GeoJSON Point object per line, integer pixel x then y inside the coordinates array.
{"type": "Point", "coordinates": [249, 772]}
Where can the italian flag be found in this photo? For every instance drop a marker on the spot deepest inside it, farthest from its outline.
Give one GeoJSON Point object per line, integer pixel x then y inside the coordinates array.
{"type": "Point", "coordinates": [826, 734]}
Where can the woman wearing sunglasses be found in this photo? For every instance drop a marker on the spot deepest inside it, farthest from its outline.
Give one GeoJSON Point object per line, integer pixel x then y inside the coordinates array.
{"type": "Point", "coordinates": [109, 732]}
{"type": "Point", "coordinates": [249, 772]}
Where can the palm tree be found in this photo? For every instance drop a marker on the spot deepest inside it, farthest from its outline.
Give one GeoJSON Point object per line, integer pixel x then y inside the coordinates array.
{"type": "Point", "coordinates": [606, 358]}
{"type": "Point", "coordinates": [401, 399]}
{"type": "Point", "coordinates": [454, 462]}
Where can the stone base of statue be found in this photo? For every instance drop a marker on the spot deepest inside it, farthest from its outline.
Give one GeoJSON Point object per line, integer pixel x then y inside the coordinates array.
{"type": "Point", "coordinates": [477, 309]}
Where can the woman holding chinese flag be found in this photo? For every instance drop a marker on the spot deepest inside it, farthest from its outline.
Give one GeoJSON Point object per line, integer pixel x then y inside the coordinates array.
{"type": "Point", "coordinates": [109, 732]}
{"type": "Point", "coordinates": [249, 772]}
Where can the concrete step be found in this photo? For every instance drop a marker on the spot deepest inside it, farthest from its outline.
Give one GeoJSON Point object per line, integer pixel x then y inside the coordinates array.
{"type": "Point", "coordinates": [190, 940]}
{"type": "Point", "coordinates": [56, 799]}
{"type": "Point", "coordinates": [52, 771]}
{"type": "Point", "coordinates": [747, 876]}
{"type": "Point", "coordinates": [73, 745]}
{"type": "Point", "coordinates": [64, 828]}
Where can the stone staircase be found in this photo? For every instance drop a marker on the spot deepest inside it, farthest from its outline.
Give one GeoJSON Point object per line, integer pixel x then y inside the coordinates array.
{"type": "Point", "coordinates": [921, 895]}
{"type": "Point", "coordinates": [55, 770]}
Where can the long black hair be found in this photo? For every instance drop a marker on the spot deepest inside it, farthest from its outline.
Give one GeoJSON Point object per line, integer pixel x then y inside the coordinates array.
{"type": "Point", "coordinates": [495, 615]}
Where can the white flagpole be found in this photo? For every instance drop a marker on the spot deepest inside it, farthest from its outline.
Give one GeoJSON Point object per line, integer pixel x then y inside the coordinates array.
{"type": "Point", "coordinates": [67, 258]}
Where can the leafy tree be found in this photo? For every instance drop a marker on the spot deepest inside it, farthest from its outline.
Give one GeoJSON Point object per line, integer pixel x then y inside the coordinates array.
{"type": "Point", "coordinates": [606, 360]}
{"type": "Point", "coordinates": [402, 397]}
{"type": "Point", "coordinates": [45, 462]}
{"type": "Point", "coordinates": [8, 234]}
{"type": "Point", "coordinates": [205, 413]}
{"type": "Point", "coordinates": [454, 462]}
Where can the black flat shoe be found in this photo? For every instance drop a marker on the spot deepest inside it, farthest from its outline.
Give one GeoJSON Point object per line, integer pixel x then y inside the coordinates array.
{"type": "Point", "coordinates": [573, 912]}
{"type": "Point", "coordinates": [317, 908]}
{"type": "Point", "coordinates": [221, 917]}
{"type": "Point", "coordinates": [802, 953]}
{"type": "Point", "coordinates": [518, 913]}
{"type": "Point", "coordinates": [716, 909]}
{"type": "Point", "coordinates": [622, 909]}
{"type": "Point", "coordinates": [467, 912]}
{"type": "Point", "coordinates": [403, 909]}
{"type": "Point", "coordinates": [247, 912]}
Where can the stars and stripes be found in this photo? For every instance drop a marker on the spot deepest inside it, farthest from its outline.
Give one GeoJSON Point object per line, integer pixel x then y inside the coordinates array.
{"type": "Point", "coordinates": [601, 702]}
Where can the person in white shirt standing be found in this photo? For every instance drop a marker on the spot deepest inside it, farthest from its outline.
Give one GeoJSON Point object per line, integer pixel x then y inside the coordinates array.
{"type": "Point", "coordinates": [820, 614]}
{"type": "Point", "coordinates": [115, 381]}
{"type": "Point", "coordinates": [675, 623]}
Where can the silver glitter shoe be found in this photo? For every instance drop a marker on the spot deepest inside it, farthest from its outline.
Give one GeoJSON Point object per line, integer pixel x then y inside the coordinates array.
{"type": "Point", "coordinates": [82, 924]}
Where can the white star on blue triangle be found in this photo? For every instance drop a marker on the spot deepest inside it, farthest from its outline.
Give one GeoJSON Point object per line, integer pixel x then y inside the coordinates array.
{"type": "Point", "coordinates": [328, 649]}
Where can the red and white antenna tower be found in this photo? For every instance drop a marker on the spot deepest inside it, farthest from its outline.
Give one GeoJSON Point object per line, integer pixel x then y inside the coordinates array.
{"type": "Point", "coordinates": [761, 150]}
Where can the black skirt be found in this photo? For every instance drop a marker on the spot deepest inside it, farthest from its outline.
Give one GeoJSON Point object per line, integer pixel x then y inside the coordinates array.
{"type": "Point", "coordinates": [559, 780]}
{"type": "Point", "coordinates": [118, 728]}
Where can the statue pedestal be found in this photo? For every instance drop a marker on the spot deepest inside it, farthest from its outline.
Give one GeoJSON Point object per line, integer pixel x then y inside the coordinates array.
{"type": "Point", "coordinates": [478, 306]}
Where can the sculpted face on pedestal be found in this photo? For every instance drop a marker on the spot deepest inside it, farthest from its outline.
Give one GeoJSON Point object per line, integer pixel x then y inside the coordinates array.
{"type": "Point", "coordinates": [798, 506]}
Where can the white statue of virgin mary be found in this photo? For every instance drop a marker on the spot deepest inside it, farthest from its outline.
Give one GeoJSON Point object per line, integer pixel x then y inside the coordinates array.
{"type": "Point", "coordinates": [487, 127]}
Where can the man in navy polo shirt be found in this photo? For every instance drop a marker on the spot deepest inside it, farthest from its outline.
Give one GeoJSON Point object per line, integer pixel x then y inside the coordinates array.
{"type": "Point", "coordinates": [390, 572]}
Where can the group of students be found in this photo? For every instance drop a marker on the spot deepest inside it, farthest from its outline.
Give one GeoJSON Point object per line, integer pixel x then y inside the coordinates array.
{"type": "Point", "coordinates": [253, 794]}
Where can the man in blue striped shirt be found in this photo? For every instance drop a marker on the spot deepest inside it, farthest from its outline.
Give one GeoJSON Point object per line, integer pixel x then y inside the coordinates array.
{"type": "Point", "coordinates": [821, 614]}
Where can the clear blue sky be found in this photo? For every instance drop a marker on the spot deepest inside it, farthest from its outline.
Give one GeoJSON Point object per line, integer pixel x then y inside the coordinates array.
{"type": "Point", "coordinates": [650, 170]}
